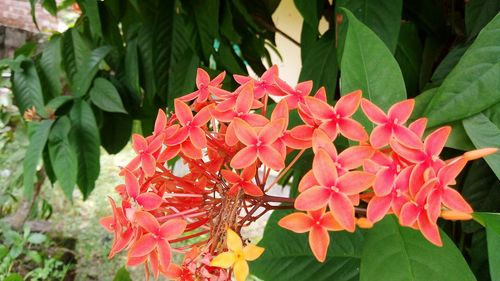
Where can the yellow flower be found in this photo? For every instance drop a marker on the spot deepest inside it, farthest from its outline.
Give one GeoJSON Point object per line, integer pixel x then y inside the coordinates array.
{"type": "Point", "coordinates": [237, 256]}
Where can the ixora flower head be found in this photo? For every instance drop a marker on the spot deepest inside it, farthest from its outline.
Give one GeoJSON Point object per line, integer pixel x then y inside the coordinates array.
{"type": "Point", "coordinates": [232, 142]}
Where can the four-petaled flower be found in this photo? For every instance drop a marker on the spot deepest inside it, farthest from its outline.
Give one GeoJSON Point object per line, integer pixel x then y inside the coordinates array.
{"type": "Point", "coordinates": [333, 190]}
{"type": "Point", "coordinates": [317, 223]}
{"type": "Point", "coordinates": [204, 85]}
{"type": "Point", "coordinates": [391, 125]}
{"type": "Point", "coordinates": [242, 181]}
{"type": "Point", "coordinates": [237, 255]}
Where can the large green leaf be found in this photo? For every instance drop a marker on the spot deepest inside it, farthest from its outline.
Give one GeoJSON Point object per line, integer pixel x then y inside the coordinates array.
{"type": "Point", "coordinates": [484, 133]}
{"type": "Point", "coordinates": [62, 155]}
{"type": "Point", "coordinates": [33, 154]}
{"type": "Point", "coordinates": [84, 139]}
{"type": "Point", "coordinates": [310, 11]}
{"type": "Point", "coordinates": [86, 73]}
{"type": "Point", "coordinates": [75, 52]}
{"type": "Point", "coordinates": [368, 65]}
{"type": "Point", "coordinates": [492, 223]}
{"type": "Point", "coordinates": [115, 131]}
{"type": "Point", "coordinates": [409, 56]}
{"type": "Point", "coordinates": [206, 15]}
{"type": "Point", "coordinates": [50, 67]}
{"type": "Point", "coordinates": [105, 96]}
{"type": "Point", "coordinates": [447, 64]}
{"type": "Point", "coordinates": [320, 64]}
{"type": "Point", "coordinates": [392, 252]}
{"type": "Point", "coordinates": [478, 13]}
{"type": "Point", "coordinates": [481, 188]}
{"type": "Point", "coordinates": [92, 13]}
{"type": "Point", "coordinates": [382, 17]}
{"type": "Point", "coordinates": [471, 86]}
{"type": "Point", "coordinates": [182, 79]}
{"type": "Point", "coordinates": [288, 256]}
{"type": "Point", "coordinates": [27, 89]}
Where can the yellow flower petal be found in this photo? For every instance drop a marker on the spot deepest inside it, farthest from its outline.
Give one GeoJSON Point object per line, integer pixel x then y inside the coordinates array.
{"type": "Point", "coordinates": [241, 270]}
{"type": "Point", "coordinates": [233, 241]}
{"type": "Point", "coordinates": [252, 252]}
{"type": "Point", "coordinates": [224, 260]}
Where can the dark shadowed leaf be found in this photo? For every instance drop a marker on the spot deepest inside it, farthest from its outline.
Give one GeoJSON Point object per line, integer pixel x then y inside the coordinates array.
{"type": "Point", "coordinates": [478, 13]}
{"type": "Point", "coordinates": [492, 223]}
{"type": "Point", "coordinates": [27, 89]}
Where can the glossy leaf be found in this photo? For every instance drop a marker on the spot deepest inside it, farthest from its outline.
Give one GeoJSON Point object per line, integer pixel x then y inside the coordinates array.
{"type": "Point", "coordinates": [62, 156]}
{"type": "Point", "coordinates": [492, 223]}
{"type": "Point", "coordinates": [288, 256]}
{"type": "Point", "coordinates": [368, 65]}
{"type": "Point", "coordinates": [484, 133]}
{"type": "Point", "coordinates": [105, 96]}
{"type": "Point", "coordinates": [92, 13]}
{"type": "Point", "coordinates": [85, 141]}
{"type": "Point", "coordinates": [75, 52]}
{"type": "Point", "coordinates": [33, 154]}
{"type": "Point", "coordinates": [86, 73]}
{"type": "Point", "coordinates": [50, 67]}
{"type": "Point", "coordinates": [468, 89]}
{"type": "Point", "coordinates": [27, 89]}
{"type": "Point", "coordinates": [382, 17]}
{"type": "Point", "coordinates": [404, 254]}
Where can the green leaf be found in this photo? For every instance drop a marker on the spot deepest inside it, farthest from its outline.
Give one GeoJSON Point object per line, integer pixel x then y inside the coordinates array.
{"type": "Point", "coordinates": [183, 77]}
{"type": "Point", "coordinates": [57, 102]}
{"type": "Point", "coordinates": [50, 67]}
{"type": "Point", "coordinates": [13, 277]}
{"type": "Point", "coordinates": [368, 65]}
{"type": "Point", "coordinates": [50, 6]}
{"type": "Point", "coordinates": [33, 13]}
{"type": "Point", "coordinates": [132, 67]}
{"type": "Point", "coordinates": [320, 64]}
{"type": "Point", "coordinates": [85, 141]}
{"type": "Point", "coordinates": [75, 53]}
{"type": "Point", "coordinates": [115, 131]}
{"type": "Point", "coordinates": [86, 73]}
{"type": "Point", "coordinates": [206, 17]}
{"type": "Point", "coordinates": [492, 223]}
{"type": "Point", "coordinates": [37, 238]}
{"type": "Point", "coordinates": [62, 155]}
{"type": "Point", "coordinates": [478, 13]}
{"type": "Point", "coordinates": [392, 252]}
{"type": "Point", "coordinates": [468, 88]}
{"type": "Point", "coordinates": [382, 17]}
{"type": "Point", "coordinates": [122, 275]}
{"type": "Point", "coordinates": [27, 89]}
{"type": "Point", "coordinates": [105, 96]}
{"type": "Point", "coordinates": [481, 188]}
{"type": "Point", "coordinates": [92, 13]}
{"type": "Point", "coordinates": [447, 64]}
{"type": "Point", "coordinates": [33, 154]}
{"type": "Point", "coordinates": [310, 11]}
{"type": "Point", "coordinates": [27, 50]}
{"type": "Point", "coordinates": [287, 255]}
{"type": "Point", "coordinates": [409, 56]}
{"type": "Point", "coordinates": [484, 133]}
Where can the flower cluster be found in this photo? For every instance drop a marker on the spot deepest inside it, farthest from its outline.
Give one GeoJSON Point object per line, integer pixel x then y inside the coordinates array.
{"type": "Point", "coordinates": [231, 141]}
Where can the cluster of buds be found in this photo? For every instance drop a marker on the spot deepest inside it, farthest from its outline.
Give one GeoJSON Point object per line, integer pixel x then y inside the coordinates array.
{"type": "Point", "coordinates": [231, 141]}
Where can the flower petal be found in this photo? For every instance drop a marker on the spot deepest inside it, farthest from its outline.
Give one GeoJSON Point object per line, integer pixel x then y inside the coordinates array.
{"type": "Point", "coordinates": [241, 270]}
{"type": "Point", "coordinates": [202, 116]}
{"type": "Point", "coordinates": [453, 200]}
{"type": "Point", "coordinates": [401, 110]}
{"type": "Point", "coordinates": [202, 78]}
{"type": "Point", "coordinates": [380, 136]}
{"type": "Point", "coordinates": [244, 132]}
{"type": "Point", "coordinates": [172, 229]}
{"type": "Point", "coordinates": [407, 137]}
{"type": "Point", "coordinates": [252, 252]}
{"type": "Point", "coordinates": [165, 253]}
{"type": "Point", "coordinates": [418, 126]}
{"type": "Point", "coordinates": [307, 181]}
{"type": "Point", "coordinates": [354, 156]}
{"type": "Point", "coordinates": [429, 230]}
{"type": "Point", "coordinates": [329, 222]}
{"type": "Point", "coordinates": [149, 201]}
{"type": "Point", "coordinates": [450, 171]}
{"type": "Point", "coordinates": [148, 164]}
{"type": "Point", "coordinates": [378, 207]}
{"type": "Point", "coordinates": [147, 221]}
{"type": "Point", "coordinates": [131, 184]}
{"type": "Point", "coordinates": [319, 241]}
{"type": "Point", "coordinates": [197, 137]}
{"type": "Point", "coordinates": [251, 189]}
{"type": "Point", "coordinates": [352, 130]}
{"type": "Point", "coordinates": [384, 181]}
{"type": "Point", "coordinates": [355, 182]}
{"type": "Point", "coordinates": [348, 104]}
{"type": "Point", "coordinates": [343, 211]}
{"type": "Point", "coordinates": [233, 241]}
{"type": "Point", "coordinates": [224, 260]}
{"type": "Point", "coordinates": [409, 214]}
{"type": "Point", "coordinates": [312, 199]}
{"type": "Point", "coordinates": [230, 176]}
{"type": "Point", "coordinates": [143, 246]}
{"type": "Point", "coordinates": [271, 157]}
{"type": "Point", "coordinates": [272, 131]}
{"type": "Point", "coordinates": [296, 222]}
{"type": "Point", "coordinates": [244, 158]}
{"type": "Point", "coordinates": [183, 112]}
{"type": "Point", "coordinates": [324, 169]}
{"type": "Point", "coordinates": [139, 143]}
{"type": "Point", "coordinates": [373, 112]}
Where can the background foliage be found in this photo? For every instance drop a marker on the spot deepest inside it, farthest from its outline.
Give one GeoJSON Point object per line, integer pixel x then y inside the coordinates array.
{"type": "Point", "coordinates": [122, 60]}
